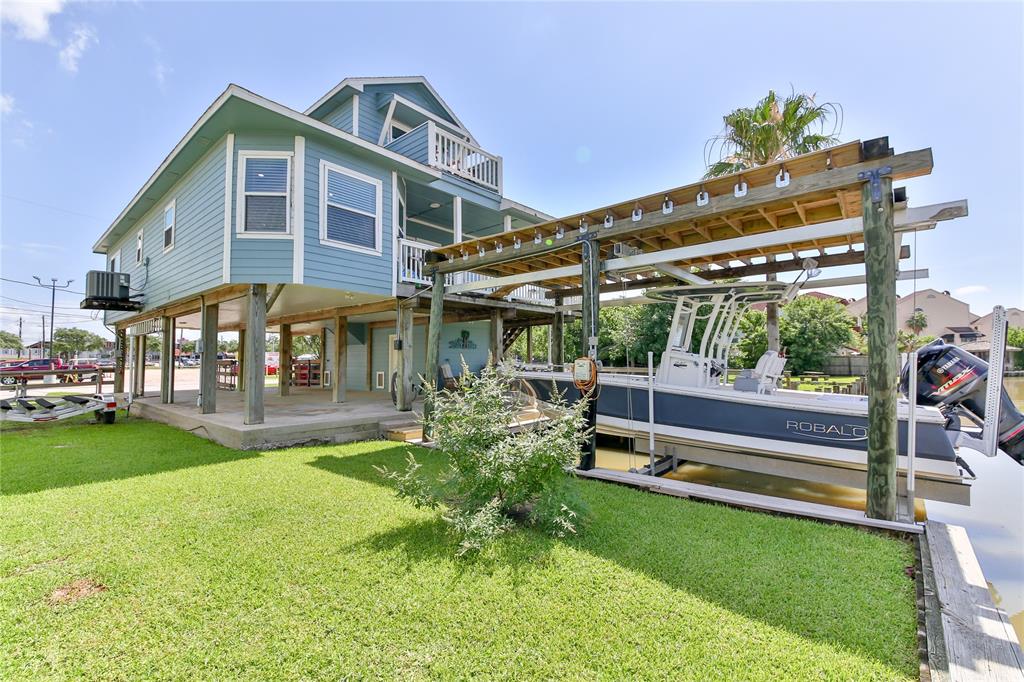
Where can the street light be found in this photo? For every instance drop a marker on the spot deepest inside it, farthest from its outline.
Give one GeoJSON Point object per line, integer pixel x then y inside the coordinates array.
{"type": "Point", "coordinates": [53, 300]}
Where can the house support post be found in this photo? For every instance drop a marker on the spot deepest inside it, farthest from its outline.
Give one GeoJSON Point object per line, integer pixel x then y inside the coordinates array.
{"type": "Point", "coordinates": [208, 315]}
{"type": "Point", "coordinates": [557, 357]}
{"type": "Point", "coordinates": [771, 312]}
{"type": "Point", "coordinates": [167, 360]}
{"type": "Point", "coordinates": [339, 359]}
{"type": "Point", "coordinates": [255, 353]}
{"type": "Point", "coordinates": [120, 351]}
{"type": "Point", "coordinates": [497, 336]}
{"type": "Point", "coordinates": [405, 358]}
{"type": "Point", "coordinates": [433, 344]}
{"type": "Point", "coordinates": [323, 356]}
{"type": "Point", "coordinates": [591, 306]}
{"type": "Point", "coordinates": [140, 366]}
{"type": "Point", "coordinates": [529, 344]}
{"type": "Point", "coordinates": [284, 366]}
{"type": "Point", "coordinates": [240, 378]}
{"type": "Point", "coordinates": [880, 262]}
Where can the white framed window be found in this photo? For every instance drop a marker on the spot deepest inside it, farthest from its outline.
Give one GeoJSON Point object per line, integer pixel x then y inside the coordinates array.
{"type": "Point", "coordinates": [138, 248]}
{"type": "Point", "coordinates": [169, 221]}
{"type": "Point", "coordinates": [264, 194]}
{"type": "Point", "coordinates": [350, 209]}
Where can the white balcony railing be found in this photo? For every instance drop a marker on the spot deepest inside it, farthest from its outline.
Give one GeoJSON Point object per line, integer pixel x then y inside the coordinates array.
{"type": "Point", "coordinates": [409, 268]}
{"type": "Point", "coordinates": [459, 157]}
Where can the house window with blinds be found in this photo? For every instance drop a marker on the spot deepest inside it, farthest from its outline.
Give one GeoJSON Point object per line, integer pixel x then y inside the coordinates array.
{"type": "Point", "coordinates": [266, 194]}
{"type": "Point", "coordinates": [350, 209]}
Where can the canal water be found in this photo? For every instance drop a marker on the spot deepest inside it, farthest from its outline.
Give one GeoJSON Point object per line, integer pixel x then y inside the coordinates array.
{"type": "Point", "coordinates": [994, 521]}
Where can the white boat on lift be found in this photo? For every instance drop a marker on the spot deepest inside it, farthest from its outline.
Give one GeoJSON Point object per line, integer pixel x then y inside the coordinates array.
{"type": "Point", "coordinates": [751, 424]}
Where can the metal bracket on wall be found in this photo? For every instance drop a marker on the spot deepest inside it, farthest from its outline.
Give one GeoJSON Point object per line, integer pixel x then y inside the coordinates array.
{"type": "Point", "coordinates": [874, 178]}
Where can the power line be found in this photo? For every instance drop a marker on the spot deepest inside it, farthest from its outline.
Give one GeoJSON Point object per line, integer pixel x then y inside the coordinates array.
{"type": "Point", "coordinates": [51, 207]}
{"type": "Point", "coordinates": [18, 300]}
{"type": "Point", "coordinates": [38, 286]}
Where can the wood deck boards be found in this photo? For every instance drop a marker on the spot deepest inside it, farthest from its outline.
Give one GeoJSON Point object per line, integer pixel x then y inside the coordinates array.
{"type": "Point", "coordinates": [977, 640]}
{"type": "Point", "coordinates": [748, 500]}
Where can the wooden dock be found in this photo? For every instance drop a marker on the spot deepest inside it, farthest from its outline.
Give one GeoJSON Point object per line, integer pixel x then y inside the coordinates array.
{"type": "Point", "coordinates": [969, 637]}
{"type": "Point", "coordinates": [737, 498]}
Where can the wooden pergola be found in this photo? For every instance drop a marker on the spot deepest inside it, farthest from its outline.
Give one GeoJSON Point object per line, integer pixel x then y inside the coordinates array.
{"type": "Point", "coordinates": [774, 214]}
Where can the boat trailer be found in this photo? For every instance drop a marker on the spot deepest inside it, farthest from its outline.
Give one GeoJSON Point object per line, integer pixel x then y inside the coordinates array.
{"type": "Point", "coordinates": [36, 410]}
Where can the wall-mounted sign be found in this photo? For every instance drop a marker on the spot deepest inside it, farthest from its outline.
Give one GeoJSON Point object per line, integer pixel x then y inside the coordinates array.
{"type": "Point", "coordinates": [463, 341]}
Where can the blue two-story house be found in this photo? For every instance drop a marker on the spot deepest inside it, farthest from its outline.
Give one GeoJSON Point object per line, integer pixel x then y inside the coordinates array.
{"type": "Point", "coordinates": [316, 222]}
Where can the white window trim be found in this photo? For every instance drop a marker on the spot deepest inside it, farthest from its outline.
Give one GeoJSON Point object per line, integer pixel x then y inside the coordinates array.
{"type": "Point", "coordinates": [114, 261]}
{"type": "Point", "coordinates": [241, 194]}
{"type": "Point", "coordinates": [173, 205]}
{"type": "Point", "coordinates": [140, 244]}
{"type": "Point", "coordinates": [378, 219]}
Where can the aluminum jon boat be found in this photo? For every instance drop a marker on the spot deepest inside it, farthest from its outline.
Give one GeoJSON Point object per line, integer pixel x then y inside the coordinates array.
{"type": "Point", "coordinates": [751, 424]}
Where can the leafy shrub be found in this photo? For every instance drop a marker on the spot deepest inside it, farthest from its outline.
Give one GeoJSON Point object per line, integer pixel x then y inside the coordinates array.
{"type": "Point", "coordinates": [496, 479]}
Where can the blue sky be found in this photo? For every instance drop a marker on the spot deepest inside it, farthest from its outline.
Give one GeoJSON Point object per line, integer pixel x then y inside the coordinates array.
{"type": "Point", "coordinates": [587, 103]}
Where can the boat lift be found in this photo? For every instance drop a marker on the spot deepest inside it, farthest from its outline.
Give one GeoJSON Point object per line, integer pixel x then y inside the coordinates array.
{"type": "Point", "coordinates": [37, 410]}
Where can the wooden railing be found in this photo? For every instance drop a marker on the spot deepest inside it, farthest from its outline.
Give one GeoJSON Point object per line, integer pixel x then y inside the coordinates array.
{"type": "Point", "coordinates": [459, 157]}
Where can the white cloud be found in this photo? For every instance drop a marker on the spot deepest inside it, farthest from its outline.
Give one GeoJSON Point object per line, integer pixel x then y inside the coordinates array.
{"type": "Point", "coordinates": [81, 38]}
{"type": "Point", "coordinates": [6, 103]}
{"type": "Point", "coordinates": [970, 289]}
{"type": "Point", "coordinates": [30, 19]}
{"type": "Point", "coordinates": [160, 70]}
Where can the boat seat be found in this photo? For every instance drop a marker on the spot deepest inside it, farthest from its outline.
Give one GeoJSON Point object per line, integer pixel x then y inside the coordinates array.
{"type": "Point", "coordinates": [765, 375]}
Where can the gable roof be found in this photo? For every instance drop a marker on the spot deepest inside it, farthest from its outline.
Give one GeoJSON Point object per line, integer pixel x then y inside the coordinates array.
{"type": "Point", "coordinates": [220, 117]}
{"type": "Point", "coordinates": [357, 85]}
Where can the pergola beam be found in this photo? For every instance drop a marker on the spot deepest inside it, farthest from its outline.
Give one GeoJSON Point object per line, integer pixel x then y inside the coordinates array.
{"type": "Point", "coordinates": [904, 165]}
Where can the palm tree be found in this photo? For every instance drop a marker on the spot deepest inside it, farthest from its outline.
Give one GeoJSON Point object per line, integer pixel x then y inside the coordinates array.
{"type": "Point", "coordinates": [772, 130]}
{"type": "Point", "coordinates": [917, 321]}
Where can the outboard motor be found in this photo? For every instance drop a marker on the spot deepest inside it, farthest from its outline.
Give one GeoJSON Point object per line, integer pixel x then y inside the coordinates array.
{"type": "Point", "coordinates": [949, 377]}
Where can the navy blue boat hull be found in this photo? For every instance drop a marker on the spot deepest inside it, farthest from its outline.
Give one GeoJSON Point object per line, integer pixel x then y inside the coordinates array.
{"type": "Point", "coordinates": [741, 418]}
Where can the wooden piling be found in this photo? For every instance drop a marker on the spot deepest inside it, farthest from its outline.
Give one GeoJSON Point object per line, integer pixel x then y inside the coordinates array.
{"type": "Point", "coordinates": [240, 379]}
{"type": "Point", "coordinates": [167, 360]}
{"type": "Point", "coordinates": [284, 365]}
{"type": "Point", "coordinates": [591, 274]}
{"type": "Point", "coordinates": [497, 336]}
{"type": "Point", "coordinates": [405, 357]}
{"type": "Point", "coordinates": [557, 336]}
{"type": "Point", "coordinates": [433, 340]}
{"type": "Point", "coordinates": [120, 352]}
{"type": "Point", "coordinates": [880, 263]}
{"type": "Point", "coordinates": [339, 359]}
{"type": "Point", "coordinates": [208, 358]}
{"type": "Point", "coordinates": [255, 353]}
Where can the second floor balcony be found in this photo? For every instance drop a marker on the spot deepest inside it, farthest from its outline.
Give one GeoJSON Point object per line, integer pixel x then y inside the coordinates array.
{"type": "Point", "coordinates": [430, 144]}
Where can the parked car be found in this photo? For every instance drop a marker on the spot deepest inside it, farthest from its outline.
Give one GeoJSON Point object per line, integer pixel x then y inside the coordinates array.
{"type": "Point", "coordinates": [13, 374]}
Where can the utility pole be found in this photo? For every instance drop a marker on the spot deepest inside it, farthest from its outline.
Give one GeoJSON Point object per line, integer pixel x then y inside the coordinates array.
{"type": "Point", "coordinates": [19, 330]}
{"type": "Point", "coordinates": [53, 300]}
{"type": "Point", "coordinates": [43, 341]}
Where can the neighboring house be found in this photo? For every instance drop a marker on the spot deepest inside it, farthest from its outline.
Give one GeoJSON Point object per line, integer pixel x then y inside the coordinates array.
{"type": "Point", "coordinates": [338, 203]}
{"type": "Point", "coordinates": [983, 325]}
{"type": "Point", "coordinates": [948, 318]}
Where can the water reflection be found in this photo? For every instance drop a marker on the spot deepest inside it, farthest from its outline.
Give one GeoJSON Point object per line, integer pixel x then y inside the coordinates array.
{"type": "Point", "coordinates": [995, 519]}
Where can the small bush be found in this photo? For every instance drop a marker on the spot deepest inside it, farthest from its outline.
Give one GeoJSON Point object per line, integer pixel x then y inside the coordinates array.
{"type": "Point", "coordinates": [496, 479]}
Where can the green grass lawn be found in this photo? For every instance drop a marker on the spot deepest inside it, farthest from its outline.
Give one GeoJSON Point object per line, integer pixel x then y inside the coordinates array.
{"type": "Point", "coordinates": [302, 563]}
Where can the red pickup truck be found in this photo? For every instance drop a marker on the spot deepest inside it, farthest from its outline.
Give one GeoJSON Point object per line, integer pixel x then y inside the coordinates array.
{"type": "Point", "coordinates": [13, 374]}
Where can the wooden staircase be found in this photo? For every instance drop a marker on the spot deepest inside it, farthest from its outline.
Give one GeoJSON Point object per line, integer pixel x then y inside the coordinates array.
{"type": "Point", "coordinates": [510, 335]}
{"type": "Point", "coordinates": [408, 430]}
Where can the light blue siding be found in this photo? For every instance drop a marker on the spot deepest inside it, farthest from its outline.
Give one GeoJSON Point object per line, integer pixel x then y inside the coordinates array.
{"type": "Point", "coordinates": [415, 93]}
{"type": "Point", "coordinates": [195, 263]}
{"type": "Point", "coordinates": [330, 266]}
{"type": "Point", "coordinates": [341, 117]}
{"type": "Point", "coordinates": [259, 259]}
{"type": "Point", "coordinates": [451, 348]}
{"type": "Point", "coordinates": [371, 116]}
{"type": "Point", "coordinates": [413, 144]}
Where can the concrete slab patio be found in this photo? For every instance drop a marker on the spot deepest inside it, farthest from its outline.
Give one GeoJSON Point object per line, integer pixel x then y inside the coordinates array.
{"type": "Point", "coordinates": [306, 416]}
